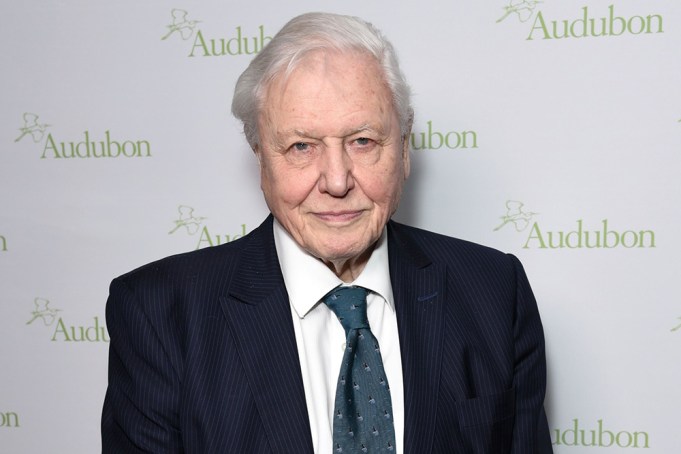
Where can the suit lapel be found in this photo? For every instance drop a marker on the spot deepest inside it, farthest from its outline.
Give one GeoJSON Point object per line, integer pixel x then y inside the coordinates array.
{"type": "Point", "coordinates": [419, 292]}
{"type": "Point", "coordinates": [259, 316]}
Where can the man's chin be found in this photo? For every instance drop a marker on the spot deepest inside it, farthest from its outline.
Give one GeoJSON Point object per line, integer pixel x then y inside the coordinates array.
{"type": "Point", "coordinates": [339, 253]}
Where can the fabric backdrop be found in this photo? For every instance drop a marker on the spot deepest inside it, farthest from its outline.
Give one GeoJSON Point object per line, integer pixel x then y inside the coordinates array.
{"type": "Point", "coordinates": [547, 129]}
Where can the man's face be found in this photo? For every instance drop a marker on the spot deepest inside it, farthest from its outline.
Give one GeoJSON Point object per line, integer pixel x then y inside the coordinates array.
{"type": "Point", "coordinates": [332, 157]}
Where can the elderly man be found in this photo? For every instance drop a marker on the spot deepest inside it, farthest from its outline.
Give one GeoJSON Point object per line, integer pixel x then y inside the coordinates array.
{"type": "Point", "coordinates": [329, 328]}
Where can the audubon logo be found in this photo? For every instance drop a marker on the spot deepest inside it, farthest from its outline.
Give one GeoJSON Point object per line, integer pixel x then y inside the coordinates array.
{"type": "Point", "coordinates": [516, 216]}
{"type": "Point", "coordinates": [187, 220]}
{"type": "Point", "coordinates": [433, 139]}
{"type": "Point", "coordinates": [181, 25]}
{"type": "Point", "coordinates": [3, 244]}
{"type": "Point", "coordinates": [91, 147]}
{"type": "Point", "coordinates": [522, 9]}
{"type": "Point", "coordinates": [103, 145]}
{"type": "Point", "coordinates": [599, 436]}
{"type": "Point", "coordinates": [93, 331]}
{"type": "Point", "coordinates": [677, 327]}
{"type": "Point", "coordinates": [43, 312]}
{"type": "Point", "coordinates": [236, 42]}
{"type": "Point", "coordinates": [578, 236]}
{"type": "Point", "coordinates": [584, 23]}
{"type": "Point", "coordinates": [9, 419]}
{"type": "Point", "coordinates": [32, 128]}
{"type": "Point", "coordinates": [193, 225]}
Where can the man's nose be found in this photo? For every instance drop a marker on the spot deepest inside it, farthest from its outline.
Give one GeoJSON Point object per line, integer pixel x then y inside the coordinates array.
{"type": "Point", "coordinates": [336, 168]}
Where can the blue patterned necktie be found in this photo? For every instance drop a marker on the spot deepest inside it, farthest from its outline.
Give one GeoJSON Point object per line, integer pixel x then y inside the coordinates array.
{"type": "Point", "coordinates": [363, 418]}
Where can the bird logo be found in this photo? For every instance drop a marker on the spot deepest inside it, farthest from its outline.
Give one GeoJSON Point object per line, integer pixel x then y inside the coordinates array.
{"type": "Point", "coordinates": [516, 215]}
{"type": "Point", "coordinates": [677, 327]}
{"type": "Point", "coordinates": [523, 8]}
{"type": "Point", "coordinates": [181, 25]}
{"type": "Point", "coordinates": [32, 127]}
{"type": "Point", "coordinates": [187, 220]}
{"type": "Point", "coordinates": [43, 312]}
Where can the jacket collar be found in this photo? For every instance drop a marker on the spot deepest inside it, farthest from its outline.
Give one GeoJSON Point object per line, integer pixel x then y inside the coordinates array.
{"type": "Point", "coordinates": [258, 313]}
{"type": "Point", "coordinates": [419, 290]}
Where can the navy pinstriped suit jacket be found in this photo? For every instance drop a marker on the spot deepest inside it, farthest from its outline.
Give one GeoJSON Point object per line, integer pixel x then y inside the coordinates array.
{"type": "Point", "coordinates": [203, 356]}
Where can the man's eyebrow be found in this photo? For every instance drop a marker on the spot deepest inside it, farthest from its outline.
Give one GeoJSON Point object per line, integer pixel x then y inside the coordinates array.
{"type": "Point", "coordinates": [293, 132]}
{"type": "Point", "coordinates": [363, 128]}
{"type": "Point", "coordinates": [302, 133]}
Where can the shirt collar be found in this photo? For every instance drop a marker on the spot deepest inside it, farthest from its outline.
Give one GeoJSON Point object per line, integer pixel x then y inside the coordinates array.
{"type": "Point", "coordinates": [307, 279]}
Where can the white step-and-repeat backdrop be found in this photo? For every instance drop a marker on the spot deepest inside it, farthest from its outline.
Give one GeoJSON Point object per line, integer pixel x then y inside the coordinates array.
{"type": "Point", "coordinates": [549, 129]}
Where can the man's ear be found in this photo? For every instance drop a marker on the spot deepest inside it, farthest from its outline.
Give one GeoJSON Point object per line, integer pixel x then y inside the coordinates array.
{"type": "Point", "coordinates": [406, 161]}
{"type": "Point", "coordinates": [256, 151]}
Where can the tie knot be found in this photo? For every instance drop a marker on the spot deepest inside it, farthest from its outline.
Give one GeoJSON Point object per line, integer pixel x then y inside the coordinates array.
{"type": "Point", "coordinates": [350, 306]}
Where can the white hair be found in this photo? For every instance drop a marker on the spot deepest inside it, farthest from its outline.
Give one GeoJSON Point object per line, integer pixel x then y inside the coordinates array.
{"type": "Point", "coordinates": [313, 32]}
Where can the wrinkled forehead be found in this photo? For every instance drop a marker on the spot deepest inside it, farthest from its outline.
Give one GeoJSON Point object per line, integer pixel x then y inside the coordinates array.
{"type": "Point", "coordinates": [331, 92]}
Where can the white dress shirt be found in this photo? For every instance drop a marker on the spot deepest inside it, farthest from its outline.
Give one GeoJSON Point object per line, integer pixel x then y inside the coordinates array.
{"type": "Point", "coordinates": [321, 338]}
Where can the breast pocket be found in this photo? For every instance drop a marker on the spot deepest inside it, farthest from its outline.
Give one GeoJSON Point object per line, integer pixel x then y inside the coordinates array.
{"type": "Point", "coordinates": [486, 422]}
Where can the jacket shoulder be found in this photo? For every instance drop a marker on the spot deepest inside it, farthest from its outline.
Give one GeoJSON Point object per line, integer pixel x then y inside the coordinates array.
{"type": "Point", "coordinates": [440, 248]}
{"type": "Point", "coordinates": [180, 267]}
{"type": "Point", "coordinates": [210, 267]}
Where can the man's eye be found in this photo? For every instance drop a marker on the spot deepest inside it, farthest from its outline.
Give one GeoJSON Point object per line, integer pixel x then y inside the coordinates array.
{"type": "Point", "coordinates": [301, 146]}
{"type": "Point", "coordinates": [362, 141]}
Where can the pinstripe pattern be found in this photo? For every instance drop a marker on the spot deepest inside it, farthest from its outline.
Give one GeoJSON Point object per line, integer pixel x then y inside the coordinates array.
{"type": "Point", "coordinates": [472, 347]}
{"type": "Point", "coordinates": [194, 369]}
{"type": "Point", "coordinates": [203, 357]}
